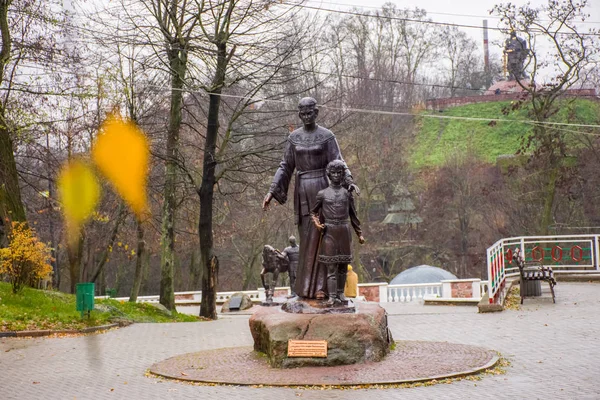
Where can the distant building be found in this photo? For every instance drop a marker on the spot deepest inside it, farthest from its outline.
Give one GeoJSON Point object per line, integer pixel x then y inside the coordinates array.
{"type": "Point", "coordinates": [403, 212]}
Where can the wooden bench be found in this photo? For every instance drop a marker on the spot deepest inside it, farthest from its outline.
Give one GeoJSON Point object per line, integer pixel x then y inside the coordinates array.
{"type": "Point", "coordinates": [533, 273]}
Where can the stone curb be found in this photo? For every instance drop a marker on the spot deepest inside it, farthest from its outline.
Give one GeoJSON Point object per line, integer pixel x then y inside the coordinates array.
{"type": "Point", "coordinates": [484, 306]}
{"type": "Point", "coordinates": [577, 277]}
{"type": "Point", "coordinates": [49, 332]}
{"type": "Point", "coordinates": [471, 371]}
{"type": "Point", "coordinates": [459, 374]}
{"type": "Point", "coordinates": [174, 368]}
{"type": "Point", "coordinates": [460, 302]}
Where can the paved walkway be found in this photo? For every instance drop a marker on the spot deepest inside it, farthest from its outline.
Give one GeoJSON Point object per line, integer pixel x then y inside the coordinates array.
{"type": "Point", "coordinates": [112, 365]}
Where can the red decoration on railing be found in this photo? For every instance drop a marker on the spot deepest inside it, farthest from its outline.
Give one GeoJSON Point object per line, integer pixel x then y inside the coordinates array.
{"type": "Point", "coordinates": [509, 256]}
{"type": "Point", "coordinates": [537, 250]}
{"type": "Point", "coordinates": [557, 253]}
{"type": "Point", "coordinates": [579, 250]}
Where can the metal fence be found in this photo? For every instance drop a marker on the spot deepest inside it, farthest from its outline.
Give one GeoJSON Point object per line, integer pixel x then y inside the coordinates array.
{"type": "Point", "coordinates": [564, 253]}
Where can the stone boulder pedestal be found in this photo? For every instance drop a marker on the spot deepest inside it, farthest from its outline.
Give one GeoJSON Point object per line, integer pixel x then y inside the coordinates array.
{"type": "Point", "coordinates": [351, 338]}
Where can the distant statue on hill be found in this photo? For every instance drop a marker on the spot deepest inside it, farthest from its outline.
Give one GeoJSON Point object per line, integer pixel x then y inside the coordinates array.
{"type": "Point", "coordinates": [515, 54]}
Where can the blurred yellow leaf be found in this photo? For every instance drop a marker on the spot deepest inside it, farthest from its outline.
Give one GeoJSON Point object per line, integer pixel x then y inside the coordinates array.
{"type": "Point", "coordinates": [121, 152]}
{"type": "Point", "coordinates": [79, 192]}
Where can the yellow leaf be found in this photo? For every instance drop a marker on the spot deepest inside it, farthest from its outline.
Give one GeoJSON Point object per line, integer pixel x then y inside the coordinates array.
{"type": "Point", "coordinates": [79, 193]}
{"type": "Point", "coordinates": [121, 152]}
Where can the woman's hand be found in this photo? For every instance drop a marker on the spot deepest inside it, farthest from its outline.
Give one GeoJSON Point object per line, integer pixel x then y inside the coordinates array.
{"type": "Point", "coordinates": [267, 200]}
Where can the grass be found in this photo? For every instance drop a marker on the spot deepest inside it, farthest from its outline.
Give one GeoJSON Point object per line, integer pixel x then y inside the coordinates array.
{"type": "Point", "coordinates": [438, 138]}
{"type": "Point", "coordinates": [34, 309]}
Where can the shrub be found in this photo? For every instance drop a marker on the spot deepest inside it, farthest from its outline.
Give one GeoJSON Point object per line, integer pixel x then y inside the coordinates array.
{"type": "Point", "coordinates": [26, 259]}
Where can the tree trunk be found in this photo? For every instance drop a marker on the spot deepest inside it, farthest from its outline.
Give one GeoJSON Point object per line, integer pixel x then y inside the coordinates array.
{"type": "Point", "coordinates": [178, 61]}
{"type": "Point", "coordinates": [195, 270]}
{"type": "Point", "coordinates": [11, 205]}
{"type": "Point", "coordinates": [139, 263]}
{"type": "Point", "coordinates": [550, 194]}
{"type": "Point", "coordinates": [75, 253]}
{"type": "Point", "coordinates": [122, 213]}
{"type": "Point", "coordinates": [249, 270]}
{"type": "Point", "coordinates": [53, 244]}
{"type": "Point", "coordinates": [208, 307]}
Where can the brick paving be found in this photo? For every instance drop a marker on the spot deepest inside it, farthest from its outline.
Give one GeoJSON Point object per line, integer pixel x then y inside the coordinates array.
{"type": "Point", "coordinates": [112, 365]}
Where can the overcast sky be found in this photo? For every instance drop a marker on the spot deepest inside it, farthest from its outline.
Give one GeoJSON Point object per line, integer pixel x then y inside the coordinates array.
{"type": "Point", "coordinates": [465, 12]}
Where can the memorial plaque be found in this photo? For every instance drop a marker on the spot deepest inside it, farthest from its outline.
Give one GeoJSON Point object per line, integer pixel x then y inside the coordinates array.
{"type": "Point", "coordinates": [235, 302]}
{"type": "Point", "coordinates": [307, 348]}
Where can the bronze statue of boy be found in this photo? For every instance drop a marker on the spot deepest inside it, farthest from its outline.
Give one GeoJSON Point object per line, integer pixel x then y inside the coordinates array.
{"type": "Point", "coordinates": [333, 214]}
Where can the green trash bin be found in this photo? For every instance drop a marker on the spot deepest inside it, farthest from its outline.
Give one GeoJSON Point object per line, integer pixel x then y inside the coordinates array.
{"type": "Point", "coordinates": [84, 296]}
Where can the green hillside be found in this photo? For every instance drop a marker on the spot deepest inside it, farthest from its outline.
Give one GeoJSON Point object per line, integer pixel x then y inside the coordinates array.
{"type": "Point", "coordinates": [438, 137]}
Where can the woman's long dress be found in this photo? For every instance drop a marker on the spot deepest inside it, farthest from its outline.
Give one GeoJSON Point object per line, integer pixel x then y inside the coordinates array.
{"type": "Point", "coordinates": [307, 153]}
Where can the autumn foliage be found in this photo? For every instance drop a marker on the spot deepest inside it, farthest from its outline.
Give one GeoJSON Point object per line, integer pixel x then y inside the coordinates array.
{"type": "Point", "coordinates": [26, 259]}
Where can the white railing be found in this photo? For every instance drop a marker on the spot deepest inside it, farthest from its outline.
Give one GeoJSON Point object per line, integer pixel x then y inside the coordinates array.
{"type": "Point", "coordinates": [412, 292]}
{"type": "Point", "coordinates": [564, 253]}
{"type": "Point", "coordinates": [255, 295]}
{"type": "Point", "coordinates": [183, 298]}
{"type": "Point", "coordinates": [406, 293]}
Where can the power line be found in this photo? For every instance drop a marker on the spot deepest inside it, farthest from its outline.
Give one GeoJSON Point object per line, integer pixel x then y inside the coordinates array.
{"type": "Point", "coordinates": [479, 119]}
{"type": "Point", "coordinates": [396, 113]}
{"type": "Point", "coordinates": [421, 21]}
{"type": "Point", "coordinates": [392, 81]}
{"type": "Point", "coordinates": [298, 69]}
{"type": "Point", "coordinates": [432, 12]}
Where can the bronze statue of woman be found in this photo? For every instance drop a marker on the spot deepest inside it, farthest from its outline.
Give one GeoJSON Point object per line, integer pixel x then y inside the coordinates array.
{"type": "Point", "coordinates": [308, 151]}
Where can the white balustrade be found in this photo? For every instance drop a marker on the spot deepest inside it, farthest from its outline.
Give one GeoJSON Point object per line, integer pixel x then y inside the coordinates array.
{"type": "Point", "coordinates": [408, 293]}
{"type": "Point", "coordinates": [405, 293]}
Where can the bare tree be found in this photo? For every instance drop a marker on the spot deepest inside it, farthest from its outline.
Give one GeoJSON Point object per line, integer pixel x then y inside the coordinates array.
{"type": "Point", "coordinates": [11, 205]}
{"type": "Point", "coordinates": [460, 52]}
{"type": "Point", "coordinates": [33, 50]}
